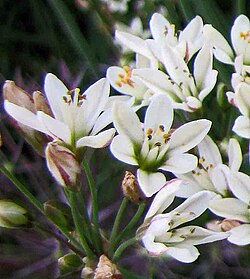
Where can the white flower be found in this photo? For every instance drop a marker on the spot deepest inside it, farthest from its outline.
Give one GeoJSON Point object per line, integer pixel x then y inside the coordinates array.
{"type": "Point", "coordinates": [123, 80]}
{"type": "Point", "coordinates": [77, 119]}
{"type": "Point", "coordinates": [161, 233]}
{"type": "Point", "coordinates": [211, 174]}
{"type": "Point", "coordinates": [186, 90]}
{"type": "Point", "coordinates": [154, 146]}
{"type": "Point", "coordinates": [236, 208]}
{"type": "Point", "coordinates": [240, 38]}
{"type": "Point", "coordinates": [188, 42]}
{"type": "Point", "coordinates": [242, 123]}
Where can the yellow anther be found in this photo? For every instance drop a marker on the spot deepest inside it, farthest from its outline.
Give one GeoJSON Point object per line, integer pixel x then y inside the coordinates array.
{"type": "Point", "coordinates": [245, 36]}
{"type": "Point", "coordinates": [149, 131]}
{"type": "Point", "coordinates": [121, 76]}
{"type": "Point", "coordinates": [119, 84]}
{"type": "Point", "coordinates": [201, 160]}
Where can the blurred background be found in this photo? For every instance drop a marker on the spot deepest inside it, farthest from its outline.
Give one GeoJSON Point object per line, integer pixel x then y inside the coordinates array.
{"type": "Point", "coordinates": [74, 40]}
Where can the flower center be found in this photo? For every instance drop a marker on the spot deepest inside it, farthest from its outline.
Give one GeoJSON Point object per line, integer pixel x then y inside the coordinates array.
{"type": "Point", "coordinates": [159, 137]}
{"type": "Point", "coordinates": [74, 97]}
{"type": "Point", "coordinates": [202, 167]}
{"type": "Point", "coordinates": [245, 36]}
{"type": "Point", "coordinates": [125, 79]}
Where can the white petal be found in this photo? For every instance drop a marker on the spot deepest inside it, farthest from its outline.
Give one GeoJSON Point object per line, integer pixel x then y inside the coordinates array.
{"type": "Point", "coordinates": [180, 163]}
{"type": "Point", "coordinates": [240, 235]}
{"type": "Point", "coordinates": [242, 126]}
{"type": "Point", "coordinates": [185, 254]}
{"type": "Point", "coordinates": [209, 151]}
{"type": "Point", "coordinates": [234, 155]}
{"type": "Point", "coordinates": [55, 90]}
{"type": "Point", "coordinates": [242, 98]}
{"type": "Point", "coordinates": [159, 112]}
{"type": "Point", "coordinates": [188, 136]}
{"type": "Point", "coordinates": [24, 116]}
{"type": "Point", "coordinates": [230, 208]}
{"type": "Point", "coordinates": [55, 128]}
{"type": "Point", "coordinates": [239, 184]}
{"type": "Point", "coordinates": [200, 235]}
{"type": "Point", "coordinates": [135, 43]}
{"type": "Point", "coordinates": [127, 123]}
{"type": "Point", "coordinates": [150, 182]}
{"type": "Point", "coordinates": [164, 197]}
{"type": "Point", "coordinates": [96, 100]}
{"type": "Point", "coordinates": [154, 248]}
{"type": "Point", "coordinates": [188, 186]}
{"type": "Point", "coordinates": [195, 204]}
{"type": "Point", "coordinates": [99, 141]}
{"type": "Point", "coordinates": [123, 149]}
{"type": "Point", "coordinates": [219, 176]}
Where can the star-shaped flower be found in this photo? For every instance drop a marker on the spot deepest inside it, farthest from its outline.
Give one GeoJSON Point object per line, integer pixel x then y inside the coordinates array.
{"type": "Point", "coordinates": [76, 118]}
{"type": "Point", "coordinates": [153, 146]}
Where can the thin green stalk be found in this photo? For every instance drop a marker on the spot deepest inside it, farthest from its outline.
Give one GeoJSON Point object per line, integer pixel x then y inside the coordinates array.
{"type": "Point", "coordinates": [187, 10]}
{"type": "Point", "coordinates": [122, 248]}
{"type": "Point", "coordinates": [118, 218]}
{"type": "Point", "coordinates": [79, 225]}
{"type": "Point", "coordinates": [240, 7]}
{"type": "Point", "coordinates": [85, 217]}
{"type": "Point", "coordinates": [131, 224]}
{"type": "Point", "coordinates": [94, 205]}
{"type": "Point", "coordinates": [22, 189]}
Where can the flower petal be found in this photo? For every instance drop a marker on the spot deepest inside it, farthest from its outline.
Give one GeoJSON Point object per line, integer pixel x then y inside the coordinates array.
{"type": "Point", "coordinates": [242, 126]}
{"type": "Point", "coordinates": [123, 149]}
{"type": "Point", "coordinates": [24, 116]}
{"type": "Point", "coordinates": [159, 113]}
{"type": "Point", "coordinates": [164, 197]}
{"type": "Point", "coordinates": [239, 184]}
{"type": "Point", "coordinates": [55, 90]}
{"type": "Point", "coordinates": [230, 208]}
{"type": "Point", "coordinates": [234, 155]}
{"type": "Point", "coordinates": [180, 163]}
{"type": "Point", "coordinates": [55, 128]}
{"type": "Point", "coordinates": [127, 123]}
{"type": "Point", "coordinates": [99, 141]}
{"type": "Point", "coordinates": [240, 235]}
{"type": "Point", "coordinates": [182, 253]}
{"type": "Point", "coordinates": [150, 182]}
{"type": "Point", "coordinates": [188, 136]}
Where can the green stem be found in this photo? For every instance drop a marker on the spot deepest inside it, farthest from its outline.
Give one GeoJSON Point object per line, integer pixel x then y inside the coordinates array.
{"type": "Point", "coordinates": [122, 248]}
{"type": "Point", "coordinates": [22, 189]}
{"type": "Point", "coordinates": [240, 7]}
{"type": "Point", "coordinates": [118, 218]}
{"type": "Point", "coordinates": [131, 224]}
{"type": "Point", "coordinates": [79, 225]}
{"type": "Point", "coordinates": [94, 205]}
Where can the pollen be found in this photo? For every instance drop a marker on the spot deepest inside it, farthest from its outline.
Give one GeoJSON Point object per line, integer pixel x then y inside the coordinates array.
{"type": "Point", "coordinates": [74, 97]}
{"type": "Point", "coordinates": [201, 160]}
{"type": "Point", "coordinates": [149, 131]}
{"type": "Point", "coordinates": [125, 79]}
{"type": "Point", "coordinates": [245, 36]}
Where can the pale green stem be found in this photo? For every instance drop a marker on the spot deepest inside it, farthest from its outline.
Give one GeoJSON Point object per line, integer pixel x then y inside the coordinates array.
{"type": "Point", "coordinates": [79, 225]}
{"type": "Point", "coordinates": [94, 205]}
{"type": "Point", "coordinates": [122, 248]}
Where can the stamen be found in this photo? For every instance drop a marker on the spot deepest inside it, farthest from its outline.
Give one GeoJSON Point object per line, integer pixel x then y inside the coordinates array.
{"type": "Point", "coordinates": [125, 78]}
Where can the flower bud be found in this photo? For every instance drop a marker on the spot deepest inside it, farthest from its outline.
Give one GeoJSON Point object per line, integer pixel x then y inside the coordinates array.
{"type": "Point", "coordinates": [59, 213]}
{"type": "Point", "coordinates": [63, 166]}
{"type": "Point", "coordinates": [40, 103]}
{"type": "Point", "coordinates": [69, 263]}
{"type": "Point", "coordinates": [221, 96]}
{"type": "Point", "coordinates": [12, 215]}
{"type": "Point", "coordinates": [18, 96]}
{"type": "Point", "coordinates": [106, 269]}
{"type": "Point", "coordinates": [222, 226]}
{"type": "Point", "coordinates": [130, 187]}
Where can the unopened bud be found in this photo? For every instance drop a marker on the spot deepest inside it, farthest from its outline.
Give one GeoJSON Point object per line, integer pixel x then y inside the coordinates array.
{"type": "Point", "coordinates": [69, 263]}
{"type": "Point", "coordinates": [221, 96]}
{"type": "Point", "coordinates": [106, 269]}
{"type": "Point", "coordinates": [130, 187]}
{"type": "Point", "coordinates": [59, 213]}
{"type": "Point", "coordinates": [63, 165]}
{"type": "Point", "coordinates": [227, 224]}
{"type": "Point", "coordinates": [40, 103]}
{"type": "Point", "coordinates": [12, 215]}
